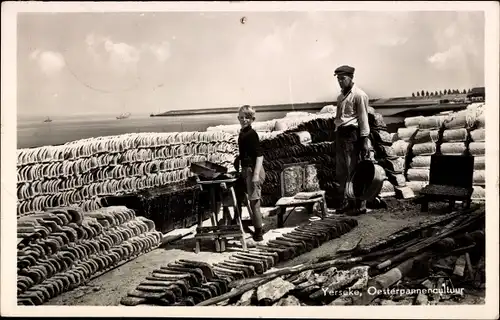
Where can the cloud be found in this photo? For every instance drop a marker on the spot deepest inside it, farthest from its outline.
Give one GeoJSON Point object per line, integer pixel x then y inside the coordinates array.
{"type": "Point", "coordinates": [160, 51]}
{"type": "Point", "coordinates": [90, 40]}
{"type": "Point", "coordinates": [321, 51]}
{"type": "Point", "coordinates": [448, 58]}
{"type": "Point", "coordinates": [122, 56]}
{"type": "Point", "coordinates": [92, 45]}
{"type": "Point", "coordinates": [450, 31]}
{"type": "Point", "coordinates": [271, 45]}
{"type": "Point", "coordinates": [392, 41]}
{"type": "Point", "coordinates": [50, 62]}
{"type": "Point", "coordinates": [319, 48]}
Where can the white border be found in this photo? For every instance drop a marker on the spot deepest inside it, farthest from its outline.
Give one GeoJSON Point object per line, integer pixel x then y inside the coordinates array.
{"type": "Point", "coordinates": [8, 174]}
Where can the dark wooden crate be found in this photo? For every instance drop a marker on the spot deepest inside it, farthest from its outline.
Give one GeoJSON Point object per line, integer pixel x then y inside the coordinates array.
{"type": "Point", "coordinates": [169, 207]}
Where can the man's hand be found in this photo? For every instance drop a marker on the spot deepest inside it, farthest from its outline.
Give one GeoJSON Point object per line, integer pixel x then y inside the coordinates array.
{"type": "Point", "coordinates": [365, 148]}
{"type": "Point", "coordinates": [255, 179]}
{"type": "Point", "coordinates": [337, 122]}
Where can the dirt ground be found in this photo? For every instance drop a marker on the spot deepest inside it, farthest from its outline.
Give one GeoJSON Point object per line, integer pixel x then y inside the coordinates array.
{"type": "Point", "coordinates": [108, 289]}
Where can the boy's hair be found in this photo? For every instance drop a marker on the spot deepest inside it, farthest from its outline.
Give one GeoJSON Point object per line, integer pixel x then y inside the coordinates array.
{"type": "Point", "coordinates": [247, 111]}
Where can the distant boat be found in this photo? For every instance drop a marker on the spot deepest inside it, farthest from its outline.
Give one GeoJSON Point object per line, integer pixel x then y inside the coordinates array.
{"type": "Point", "coordinates": [123, 116]}
{"type": "Point", "coordinates": [47, 120]}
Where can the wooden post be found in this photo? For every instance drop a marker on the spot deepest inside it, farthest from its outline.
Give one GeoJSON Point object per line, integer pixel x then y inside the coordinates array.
{"type": "Point", "coordinates": [324, 208]}
{"type": "Point", "coordinates": [424, 207]}
{"type": "Point", "coordinates": [451, 205]}
{"type": "Point", "coordinates": [309, 208]}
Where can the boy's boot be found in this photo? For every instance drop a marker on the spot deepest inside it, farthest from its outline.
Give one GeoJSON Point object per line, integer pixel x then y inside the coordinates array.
{"type": "Point", "coordinates": [257, 235]}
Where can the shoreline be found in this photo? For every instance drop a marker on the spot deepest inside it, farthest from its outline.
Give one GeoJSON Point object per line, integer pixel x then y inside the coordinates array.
{"type": "Point", "coordinates": [31, 134]}
{"type": "Point", "coordinates": [393, 103]}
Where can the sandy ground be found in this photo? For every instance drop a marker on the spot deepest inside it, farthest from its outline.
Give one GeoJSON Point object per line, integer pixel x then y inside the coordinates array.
{"type": "Point", "coordinates": [108, 289]}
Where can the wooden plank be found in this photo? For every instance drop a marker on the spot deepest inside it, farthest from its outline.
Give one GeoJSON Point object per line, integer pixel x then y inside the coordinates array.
{"type": "Point", "coordinates": [291, 201]}
{"type": "Point", "coordinates": [206, 236]}
{"type": "Point", "coordinates": [217, 228]}
{"type": "Point", "coordinates": [216, 235]}
{"type": "Point", "coordinates": [208, 182]}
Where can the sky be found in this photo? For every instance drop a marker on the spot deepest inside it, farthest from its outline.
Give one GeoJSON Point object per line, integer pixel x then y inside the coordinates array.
{"type": "Point", "coordinates": [110, 63]}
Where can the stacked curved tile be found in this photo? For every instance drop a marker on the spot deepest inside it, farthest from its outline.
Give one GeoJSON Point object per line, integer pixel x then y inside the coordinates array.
{"type": "Point", "coordinates": [385, 154]}
{"type": "Point", "coordinates": [305, 143]}
{"type": "Point", "coordinates": [272, 128]}
{"type": "Point", "coordinates": [422, 133]}
{"type": "Point", "coordinates": [185, 282]}
{"type": "Point", "coordinates": [82, 172]}
{"type": "Point", "coordinates": [63, 248]}
{"type": "Point", "coordinates": [314, 146]}
{"type": "Point", "coordinates": [283, 147]}
{"type": "Point", "coordinates": [454, 133]}
{"type": "Point", "coordinates": [297, 137]}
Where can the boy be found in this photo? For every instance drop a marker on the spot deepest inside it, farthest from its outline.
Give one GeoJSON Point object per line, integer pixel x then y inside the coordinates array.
{"type": "Point", "coordinates": [250, 160]}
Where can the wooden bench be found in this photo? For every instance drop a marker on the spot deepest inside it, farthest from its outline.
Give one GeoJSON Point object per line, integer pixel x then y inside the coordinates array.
{"type": "Point", "coordinates": [306, 198]}
{"type": "Point", "coordinates": [450, 179]}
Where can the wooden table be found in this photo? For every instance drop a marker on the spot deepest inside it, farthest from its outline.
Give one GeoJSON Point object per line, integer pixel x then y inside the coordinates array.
{"type": "Point", "coordinates": [216, 232]}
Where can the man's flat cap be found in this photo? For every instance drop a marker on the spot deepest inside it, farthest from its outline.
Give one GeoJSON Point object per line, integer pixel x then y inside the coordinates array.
{"type": "Point", "coordinates": [344, 70]}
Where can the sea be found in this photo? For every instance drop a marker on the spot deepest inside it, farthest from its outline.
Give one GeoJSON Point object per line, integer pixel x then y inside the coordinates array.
{"type": "Point", "coordinates": [33, 132]}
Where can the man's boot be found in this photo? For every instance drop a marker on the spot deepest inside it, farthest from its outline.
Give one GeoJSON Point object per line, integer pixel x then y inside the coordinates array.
{"type": "Point", "coordinates": [359, 208]}
{"type": "Point", "coordinates": [258, 235]}
{"type": "Point", "coordinates": [344, 208]}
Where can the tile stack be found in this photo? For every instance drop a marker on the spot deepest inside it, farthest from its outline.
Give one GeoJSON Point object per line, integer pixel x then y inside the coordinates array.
{"type": "Point", "coordinates": [455, 133]}
{"type": "Point", "coordinates": [187, 282]}
{"type": "Point", "coordinates": [63, 248]}
{"type": "Point", "coordinates": [83, 172]}
{"type": "Point", "coordinates": [321, 168]}
{"type": "Point", "coordinates": [424, 140]}
{"type": "Point", "coordinates": [386, 155]}
{"type": "Point", "coordinates": [477, 148]}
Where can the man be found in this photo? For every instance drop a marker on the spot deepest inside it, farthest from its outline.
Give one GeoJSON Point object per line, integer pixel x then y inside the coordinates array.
{"type": "Point", "coordinates": [352, 135]}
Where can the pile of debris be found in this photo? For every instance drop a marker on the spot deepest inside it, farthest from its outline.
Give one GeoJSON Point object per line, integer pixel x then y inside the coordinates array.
{"type": "Point", "coordinates": [306, 288]}
{"type": "Point", "coordinates": [422, 265]}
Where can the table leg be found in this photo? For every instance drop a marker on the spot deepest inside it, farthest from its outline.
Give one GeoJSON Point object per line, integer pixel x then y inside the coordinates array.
{"type": "Point", "coordinates": [324, 209]}
{"type": "Point", "coordinates": [226, 215]}
{"type": "Point", "coordinates": [281, 213]}
{"type": "Point", "coordinates": [222, 244]}
{"type": "Point", "coordinates": [424, 207]}
{"type": "Point", "coordinates": [467, 203]}
{"type": "Point", "coordinates": [200, 225]}
{"type": "Point", "coordinates": [451, 205]}
{"type": "Point", "coordinates": [217, 245]}
{"type": "Point", "coordinates": [213, 216]}
{"type": "Point", "coordinates": [237, 214]}
{"type": "Point", "coordinates": [309, 208]}
{"type": "Point", "coordinates": [244, 243]}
